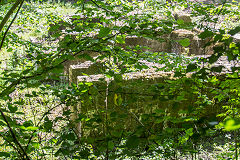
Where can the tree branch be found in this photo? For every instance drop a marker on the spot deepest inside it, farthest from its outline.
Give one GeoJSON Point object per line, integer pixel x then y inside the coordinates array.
{"type": "Point", "coordinates": [14, 136]}
{"type": "Point", "coordinates": [5, 139]}
{"type": "Point", "coordinates": [95, 3]}
{"type": "Point", "coordinates": [5, 34]}
{"type": "Point", "coordinates": [9, 13]}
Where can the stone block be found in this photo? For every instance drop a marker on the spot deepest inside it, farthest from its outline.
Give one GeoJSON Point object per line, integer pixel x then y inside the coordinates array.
{"type": "Point", "coordinates": [178, 35]}
{"type": "Point", "coordinates": [186, 18]}
{"type": "Point", "coordinates": [78, 61]}
{"type": "Point", "coordinates": [134, 88]}
{"type": "Point", "coordinates": [197, 47]}
{"type": "Point", "coordinates": [86, 67]}
{"type": "Point", "coordinates": [154, 45]}
{"type": "Point", "coordinates": [236, 38]}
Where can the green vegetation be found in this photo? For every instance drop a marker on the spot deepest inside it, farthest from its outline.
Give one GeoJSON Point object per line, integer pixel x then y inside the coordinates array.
{"type": "Point", "coordinates": [177, 106]}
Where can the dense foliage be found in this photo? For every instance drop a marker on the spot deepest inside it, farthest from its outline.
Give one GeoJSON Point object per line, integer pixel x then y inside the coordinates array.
{"type": "Point", "coordinates": [43, 116]}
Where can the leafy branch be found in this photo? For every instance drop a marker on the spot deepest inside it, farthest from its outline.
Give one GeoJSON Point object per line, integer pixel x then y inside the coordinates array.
{"type": "Point", "coordinates": [5, 34]}
{"type": "Point", "coordinates": [25, 156]}
{"type": "Point", "coordinates": [9, 13]}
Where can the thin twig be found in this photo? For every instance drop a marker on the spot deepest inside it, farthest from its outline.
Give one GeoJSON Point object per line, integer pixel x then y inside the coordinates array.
{"type": "Point", "coordinates": [10, 144]}
{"type": "Point", "coordinates": [5, 34]}
{"type": "Point", "coordinates": [9, 13]}
{"type": "Point", "coordinates": [100, 6]}
{"type": "Point", "coordinates": [12, 87]}
{"type": "Point", "coordinates": [14, 136]}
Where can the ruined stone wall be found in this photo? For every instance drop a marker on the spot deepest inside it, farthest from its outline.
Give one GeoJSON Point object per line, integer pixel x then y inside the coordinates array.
{"type": "Point", "coordinates": [134, 96]}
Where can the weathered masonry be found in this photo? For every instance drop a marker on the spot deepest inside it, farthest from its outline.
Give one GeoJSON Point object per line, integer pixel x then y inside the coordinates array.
{"type": "Point", "coordinates": [132, 95]}
{"type": "Point", "coordinates": [135, 94]}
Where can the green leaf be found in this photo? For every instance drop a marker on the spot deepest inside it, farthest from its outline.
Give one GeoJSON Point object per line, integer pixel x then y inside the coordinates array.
{"type": "Point", "coordinates": [231, 125]}
{"type": "Point", "coordinates": [31, 128]}
{"type": "Point", "coordinates": [206, 34]}
{"type": "Point", "coordinates": [133, 25]}
{"type": "Point", "coordinates": [35, 145]}
{"type": "Point", "coordinates": [12, 109]}
{"type": "Point", "coordinates": [2, 123]}
{"type": "Point", "coordinates": [184, 42]}
{"type": "Point", "coordinates": [4, 154]}
{"type": "Point", "coordinates": [120, 100]}
{"type": "Point", "coordinates": [115, 99]}
{"type": "Point", "coordinates": [104, 31]}
{"type": "Point", "coordinates": [28, 123]}
{"type": "Point", "coordinates": [191, 67]}
{"type": "Point", "coordinates": [180, 21]}
{"type": "Point", "coordinates": [70, 136]}
{"type": "Point", "coordinates": [9, 50]}
{"type": "Point", "coordinates": [213, 59]}
{"type": "Point", "coordinates": [234, 31]}
{"type": "Point", "coordinates": [48, 124]}
{"type": "Point", "coordinates": [86, 56]}
{"type": "Point", "coordinates": [132, 142]}
{"type": "Point", "coordinates": [217, 69]}
{"type": "Point", "coordinates": [110, 145]}
{"type": "Point", "coordinates": [120, 39]}
{"type": "Point", "coordinates": [85, 153]}
{"type": "Point", "coordinates": [218, 37]}
{"type": "Point", "coordinates": [178, 74]}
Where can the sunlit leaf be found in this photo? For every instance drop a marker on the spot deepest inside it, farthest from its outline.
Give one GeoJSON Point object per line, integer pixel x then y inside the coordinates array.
{"type": "Point", "coordinates": [231, 125]}
{"type": "Point", "coordinates": [184, 42]}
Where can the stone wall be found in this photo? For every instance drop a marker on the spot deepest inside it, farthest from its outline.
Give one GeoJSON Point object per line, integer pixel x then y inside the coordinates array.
{"type": "Point", "coordinates": [135, 90]}
{"type": "Point", "coordinates": [132, 99]}
{"type": "Point", "coordinates": [136, 96]}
